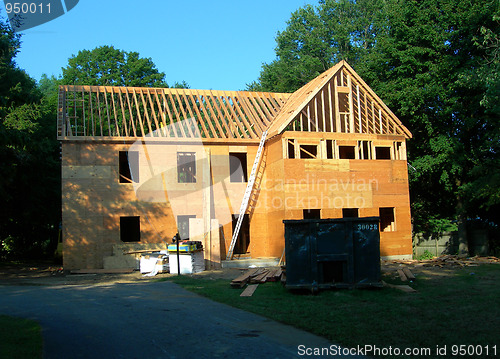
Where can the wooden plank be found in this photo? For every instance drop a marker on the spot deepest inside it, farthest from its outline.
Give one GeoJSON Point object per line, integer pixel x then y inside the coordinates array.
{"type": "Point", "coordinates": [83, 114]}
{"type": "Point", "coordinates": [99, 113]}
{"type": "Point", "coordinates": [323, 113]}
{"type": "Point", "coordinates": [248, 292]}
{"type": "Point", "coordinates": [359, 110]}
{"type": "Point", "coordinates": [405, 288]}
{"type": "Point", "coordinates": [132, 122]}
{"type": "Point", "coordinates": [170, 116]}
{"type": "Point", "coordinates": [221, 116]}
{"type": "Point", "coordinates": [308, 118]}
{"type": "Point", "coordinates": [261, 108]}
{"type": "Point", "coordinates": [259, 278]}
{"type": "Point", "coordinates": [234, 116]}
{"type": "Point", "coordinates": [252, 132]}
{"type": "Point", "coordinates": [107, 111]}
{"type": "Point", "coordinates": [380, 120]}
{"type": "Point", "coordinates": [330, 108]}
{"type": "Point", "coordinates": [316, 113]}
{"type": "Point", "coordinates": [256, 125]}
{"type": "Point", "coordinates": [338, 127]}
{"type": "Point", "coordinates": [243, 278]}
{"type": "Point", "coordinates": [124, 120]}
{"type": "Point", "coordinates": [175, 121]}
{"type": "Point", "coordinates": [402, 275]}
{"type": "Point", "coordinates": [163, 116]}
{"type": "Point", "coordinates": [216, 116]}
{"type": "Point", "coordinates": [134, 94]}
{"type": "Point", "coordinates": [408, 273]}
{"type": "Point", "coordinates": [198, 116]}
{"type": "Point", "coordinates": [92, 114]}
{"type": "Point", "coordinates": [179, 122]}
{"type": "Point", "coordinates": [351, 109]}
{"type": "Point", "coordinates": [116, 117]}
{"type": "Point", "coordinates": [343, 89]}
{"type": "Point", "coordinates": [155, 118]}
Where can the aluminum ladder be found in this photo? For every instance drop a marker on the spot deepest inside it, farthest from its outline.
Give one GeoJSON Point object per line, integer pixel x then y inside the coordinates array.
{"type": "Point", "coordinates": [246, 197]}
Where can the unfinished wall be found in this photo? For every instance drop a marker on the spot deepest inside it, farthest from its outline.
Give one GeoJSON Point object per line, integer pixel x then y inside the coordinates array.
{"type": "Point", "coordinates": [94, 200]}
{"type": "Point", "coordinates": [369, 187]}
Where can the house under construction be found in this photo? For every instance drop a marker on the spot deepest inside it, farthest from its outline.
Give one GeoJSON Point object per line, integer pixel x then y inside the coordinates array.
{"type": "Point", "coordinates": [226, 168]}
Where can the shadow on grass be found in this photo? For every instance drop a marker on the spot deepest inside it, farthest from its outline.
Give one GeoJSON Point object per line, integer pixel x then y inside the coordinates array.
{"type": "Point", "coordinates": [451, 307]}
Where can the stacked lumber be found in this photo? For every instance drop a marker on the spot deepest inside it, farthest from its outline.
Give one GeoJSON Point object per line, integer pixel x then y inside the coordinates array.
{"type": "Point", "coordinates": [256, 276]}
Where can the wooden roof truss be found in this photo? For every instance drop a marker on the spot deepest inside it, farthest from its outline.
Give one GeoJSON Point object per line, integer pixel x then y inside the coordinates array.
{"type": "Point", "coordinates": [105, 111]}
{"type": "Point", "coordinates": [337, 101]}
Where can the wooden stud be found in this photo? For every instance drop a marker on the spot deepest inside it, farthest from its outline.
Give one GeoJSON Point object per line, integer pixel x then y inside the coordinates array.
{"type": "Point", "coordinates": [235, 116]}
{"type": "Point", "coordinates": [323, 114]}
{"type": "Point", "coordinates": [99, 113]}
{"type": "Point", "coordinates": [132, 122]}
{"type": "Point", "coordinates": [155, 118]}
{"type": "Point", "coordinates": [337, 111]}
{"type": "Point", "coordinates": [124, 119]}
{"type": "Point", "coordinates": [308, 119]}
{"type": "Point", "coordinates": [330, 109]}
{"type": "Point", "coordinates": [316, 113]}
{"type": "Point", "coordinates": [134, 94]}
{"type": "Point", "coordinates": [221, 116]}
{"type": "Point", "coordinates": [351, 110]}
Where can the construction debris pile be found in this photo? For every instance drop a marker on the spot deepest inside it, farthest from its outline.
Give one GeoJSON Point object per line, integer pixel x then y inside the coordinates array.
{"type": "Point", "coordinates": [448, 261]}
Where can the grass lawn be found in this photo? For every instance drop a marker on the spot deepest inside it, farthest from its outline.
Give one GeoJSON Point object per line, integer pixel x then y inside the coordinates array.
{"type": "Point", "coordinates": [451, 307]}
{"type": "Point", "coordinates": [20, 338]}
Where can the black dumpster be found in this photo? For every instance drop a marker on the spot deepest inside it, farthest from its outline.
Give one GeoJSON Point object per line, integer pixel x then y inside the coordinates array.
{"type": "Point", "coordinates": [332, 253]}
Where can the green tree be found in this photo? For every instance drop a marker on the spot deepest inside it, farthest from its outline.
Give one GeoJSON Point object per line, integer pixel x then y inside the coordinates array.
{"type": "Point", "coordinates": [29, 159]}
{"type": "Point", "coordinates": [316, 38]}
{"type": "Point", "coordinates": [107, 66]}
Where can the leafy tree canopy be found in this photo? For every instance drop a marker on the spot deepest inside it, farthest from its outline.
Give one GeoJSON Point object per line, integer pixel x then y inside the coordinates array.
{"type": "Point", "coordinates": [107, 66]}
{"type": "Point", "coordinates": [29, 159]}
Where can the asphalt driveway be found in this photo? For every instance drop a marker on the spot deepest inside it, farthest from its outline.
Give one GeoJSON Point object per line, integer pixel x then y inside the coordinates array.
{"type": "Point", "coordinates": [148, 320]}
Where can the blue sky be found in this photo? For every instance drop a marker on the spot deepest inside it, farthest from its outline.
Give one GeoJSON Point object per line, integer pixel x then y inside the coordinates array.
{"type": "Point", "coordinates": [209, 44]}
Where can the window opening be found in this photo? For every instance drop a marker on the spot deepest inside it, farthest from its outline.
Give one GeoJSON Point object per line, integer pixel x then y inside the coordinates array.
{"type": "Point", "coordinates": [186, 167]}
{"type": "Point", "coordinates": [347, 152]}
{"type": "Point", "coordinates": [238, 167]}
{"type": "Point", "coordinates": [383, 153]}
{"type": "Point", "coordinates": [329, 149]}
{"type": "Point", "coordinates": [387, 219]}
{"type": "Point", "coordinates": [350, 212]}
{"type": "Point", "coordinates": [243, 241]}
{"type": "Point", "coordinates": [291, 149]}
{"type": "Point", "coordinates": [308, 151]}
{"type": "Point", "coordinates": [130, 229]}
{"type": "Point", "coordinates": [183, 226]}
{"type": "Point", "coordinates": [128, 166]}
{"type": "Point", "coordinates": [311, 213]}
